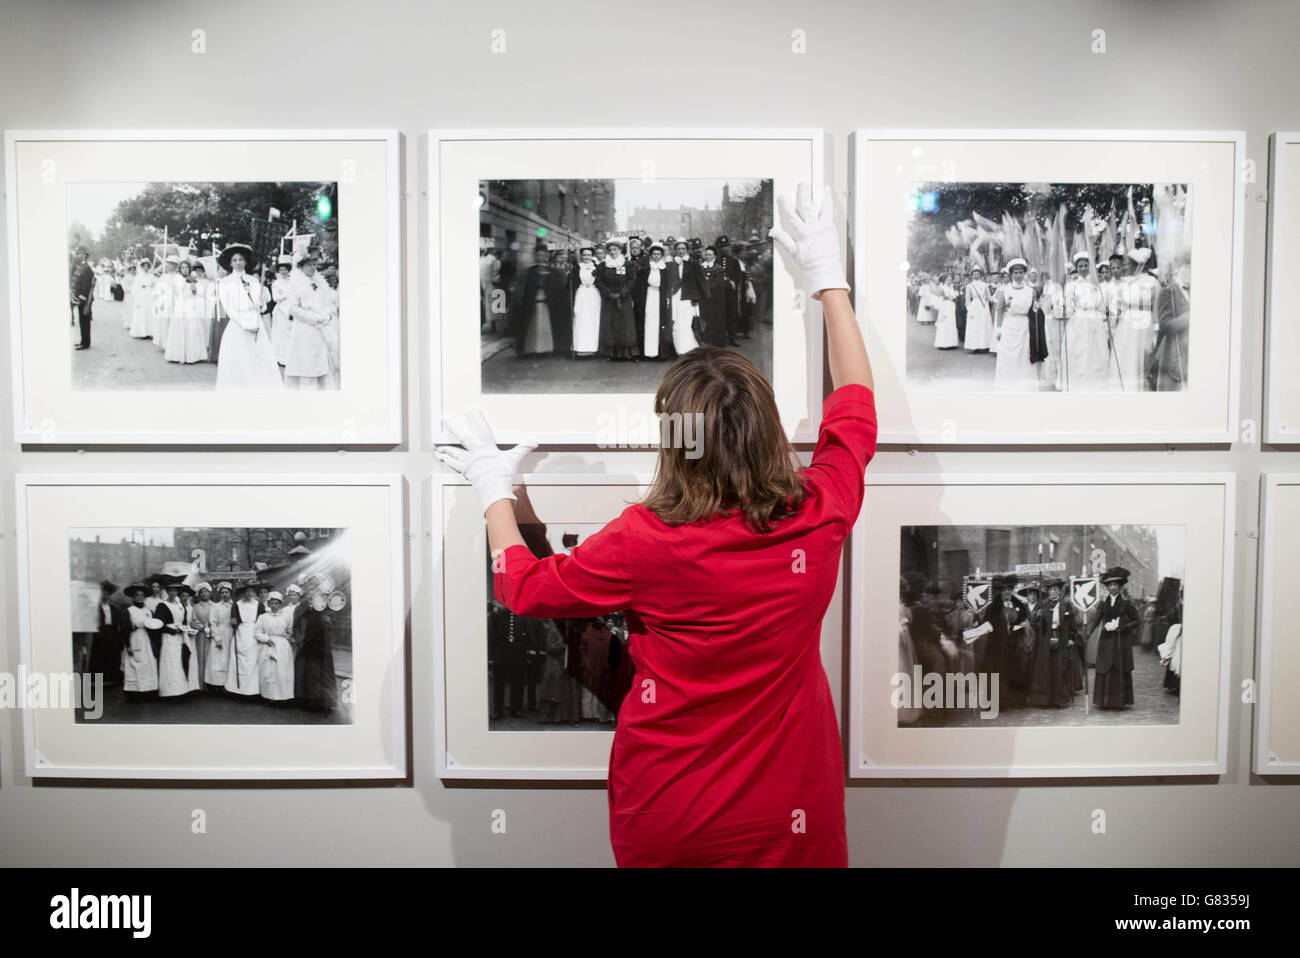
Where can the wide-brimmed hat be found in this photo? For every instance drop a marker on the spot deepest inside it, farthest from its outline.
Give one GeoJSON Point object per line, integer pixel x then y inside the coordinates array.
{"type": "Point", "coordinates": [224, 258]}
{"type": "Point", "coordinates": [1055, 580]}
{"type": "Point", "coordinates": [107, 586]}
{"type": "Point", "coordinates": [1005, 581]}
{"type": "Point", "coordinates": [135, 587]}
{"type": "Point", "coordinates": [1012, 264]}
{"type": "Point", "coordinates": [1082, 254]}
{"type": "Point", "coordinates": [1115, 574]}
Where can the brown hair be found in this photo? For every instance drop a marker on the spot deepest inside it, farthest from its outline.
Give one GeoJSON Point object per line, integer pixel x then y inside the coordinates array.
{"type": "Point", "coordinates": [736, 457]}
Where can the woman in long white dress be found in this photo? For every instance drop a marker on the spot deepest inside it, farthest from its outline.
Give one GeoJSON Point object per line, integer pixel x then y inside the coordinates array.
{"type": "Point", "coordinates": [166, 294]}
{"type": "Point", "coordinates": [945, 326]}
{"type": "Point", "coordinates": [925, 302]}
{"type": "Point", "coordinates": [654, 283]}
{"type": "Point", "coordinates": [141, 301]}
{"type": "Point", "coordinates": [306, 357]}
{"type": "Point", "coordinates": [139, 664]}
{"type": "Point", "coordinates": [683, 308]}
{"type": "Point", "coordinates": [275, 662]}
{"type": "Point", "coordinates": [216, 666]}
{"type": "Point", "coordinates": [586, 305]}
{"type": "Point", "coordinates": [187, 335]}
{"type": "Point", "coordinates": [178, 664]}
{"type": "Point", "coordinates": [245, 360]}
{"type": "Point", "coordinates": [1014, 372]}
{"type": "Point", "coordinates": [281, 320]}
{"type": "Point", "coordinates": [1086, 348]}
{"type": "Point", "coordinates": [1133, 329]}
{"type": "Point", "coordinates": [979, 321]}
{"type": "Point", "coordinates": [245, 651]}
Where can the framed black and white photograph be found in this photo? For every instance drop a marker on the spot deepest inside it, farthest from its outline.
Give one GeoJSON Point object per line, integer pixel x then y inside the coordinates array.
{"type": "Point", "coordinates": [554, 674]}
{"type": "Point", "coordinates": [1282, 349]}
{"type": "Point", "coordinates": [517, 697]}
{"type": "Point", "coordinates": [593, 258]}
{"type": "Point", "coordinates": [261, 266]}
{"type": "Point", "coordinates": [1277, 712]}
{"type": "Point", "coordinates": [1060, 625]}
{"type": "Point", "coordinates": [1036, 286]}
{"type": "Point", "coordinates": [226, 628]}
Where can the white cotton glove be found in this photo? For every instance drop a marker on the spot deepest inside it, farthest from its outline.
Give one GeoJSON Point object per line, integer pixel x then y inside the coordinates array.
{"type": "Point", "coordinates": [490, 470]}
{"type": "Point", "coordinates": [815, 245]}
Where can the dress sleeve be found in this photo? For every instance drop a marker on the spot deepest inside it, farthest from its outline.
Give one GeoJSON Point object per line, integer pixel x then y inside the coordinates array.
{"type": "Point", "coordinates": [845, 444]}
{"type": "Point", "coordinates": [591, 580]}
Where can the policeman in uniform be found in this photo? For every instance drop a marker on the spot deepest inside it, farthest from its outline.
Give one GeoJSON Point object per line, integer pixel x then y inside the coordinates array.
{"type": "Point", "coordinates": [83, 285]}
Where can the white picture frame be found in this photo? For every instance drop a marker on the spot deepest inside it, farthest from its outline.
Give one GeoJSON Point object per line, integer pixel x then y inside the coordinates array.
{"type": "Point", "coordinates": [371, 749]}
{"type": "Point", "coordinates": [879, 748]}
{"type": "Point", "coordinates": [1282, 339]}
{"type": "Point", "coordinates": [882, 160]}
{"type": "Point", "coordinates": [459, 158]}
{"type": "Point", "coordinates": [465, 748]}
{"type": "Point", "coordinates": [366, 410]}
{"type": "Point", "coordinates": [1277, 718]}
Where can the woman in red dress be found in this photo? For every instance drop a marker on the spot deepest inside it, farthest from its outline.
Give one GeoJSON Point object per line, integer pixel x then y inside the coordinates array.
{"type": "Point", "coordinates": [727, 751]}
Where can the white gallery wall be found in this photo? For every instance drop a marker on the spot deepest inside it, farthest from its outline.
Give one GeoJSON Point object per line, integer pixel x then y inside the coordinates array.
{"type": "Point", "coordinates": [838, 66]}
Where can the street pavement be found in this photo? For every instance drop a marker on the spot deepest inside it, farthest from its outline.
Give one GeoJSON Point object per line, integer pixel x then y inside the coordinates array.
{"type": "Point", "coordinates": [116, 361]}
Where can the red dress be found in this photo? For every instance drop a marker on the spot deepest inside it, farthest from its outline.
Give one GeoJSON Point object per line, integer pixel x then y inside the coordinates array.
{"type": "Point", "coordinates": [727, 750]}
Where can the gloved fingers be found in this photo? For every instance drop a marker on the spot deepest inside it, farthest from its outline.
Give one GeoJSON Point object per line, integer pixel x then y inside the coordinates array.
{"type": "Point", "coordinates": [461, 435]}
{"type": "Point", "coordinates": [788, 212]}
{"type": "Point", "coordinates": [458, 459]}
{"type": "Point", "coordinates": [518, 453]}
{"type": "Point", "coordinates": [784, 239]}
{"type": "Point", "coordinates": [827, 212]}
{"type": "Point", "coordinates": [804, 203]}
{"type": "Point", "coordinates": [478, 422]}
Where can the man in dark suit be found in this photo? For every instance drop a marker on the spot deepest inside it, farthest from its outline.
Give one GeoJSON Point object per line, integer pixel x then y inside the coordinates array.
{"type": "Point", "coordinates": [83, 285]}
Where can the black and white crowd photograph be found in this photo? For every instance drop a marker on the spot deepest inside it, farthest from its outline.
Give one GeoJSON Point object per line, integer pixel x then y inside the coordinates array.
{"type": "Point", "coordinates": [1048, 287]}
{"type": "Point", "coordinates": [214, 626]}
{"type": "Point", "coordinates": [204, 286]}
{"type": "Point", "coordinates": [555, 674]}
{"type": "Point", "coordinates": [592, 286]}
{"type": "Point", "coordinates": [1074, 625]}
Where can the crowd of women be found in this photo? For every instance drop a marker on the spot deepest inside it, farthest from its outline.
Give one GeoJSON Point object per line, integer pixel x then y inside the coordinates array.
{"type": "Point", "coordinates": [277, 330]}
{"type": "Point", "coordinates": [1032, 640]}
{"type": "Point", "coordinates": [1119, 327]}
{"type": "Point", "coordinates": [250, 643]}
{"type": "Point", "coordinates": [560, 671]}
{"type": "Point", "coordinates": [639, 300]}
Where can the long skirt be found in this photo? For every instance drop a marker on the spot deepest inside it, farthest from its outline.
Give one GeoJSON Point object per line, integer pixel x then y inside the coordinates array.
{"type": "Point", "coordinates": [216, 668]}
{"type": "Point", "coordinates": [246, 651]}
{"type": "Point", "coordinates": [683, 311]}
{"type": "Point", "coordinates": [650, 331]}
{"type": "Point", "coordinates": [979, 326]}
{"type": "Point", "coordinates": [281, 327]}
{"type": "Point", "coordinates": [1050, 674]}
{"type": "Point", "coordinates": [560, 694]}
{"type": "Point", "coordinates": [538, 336]}
{"type": "Point", "coordinates": [247, 363]}
{"type": "Point", "coordinates": [1132, 334]}
{"type": "Point", "coordinates": [945, 328]}
{"type": "Point", "coordinates": [275, 669]}
{"type": "Point", "coordinates": [315, 684]}
{"type": "Point", "coordinates": [1086, 352]}
{"type": "Point", "coordinates": [586, 320]}
{"type": "Point", "coordinates": [618, 337]}
{"type": "Point", "coordinates": [141, 317]}
{"type": "Point", "coordinates": [1014, 372]}
{"type": "Point", "coordinates": [139, 667]}
{"type": "Point", "coordinates": [178, 666]}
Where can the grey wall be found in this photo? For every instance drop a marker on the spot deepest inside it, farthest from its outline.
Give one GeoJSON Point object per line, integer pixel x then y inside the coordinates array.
{"type": "Point", "coordinates": [412, 65]}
